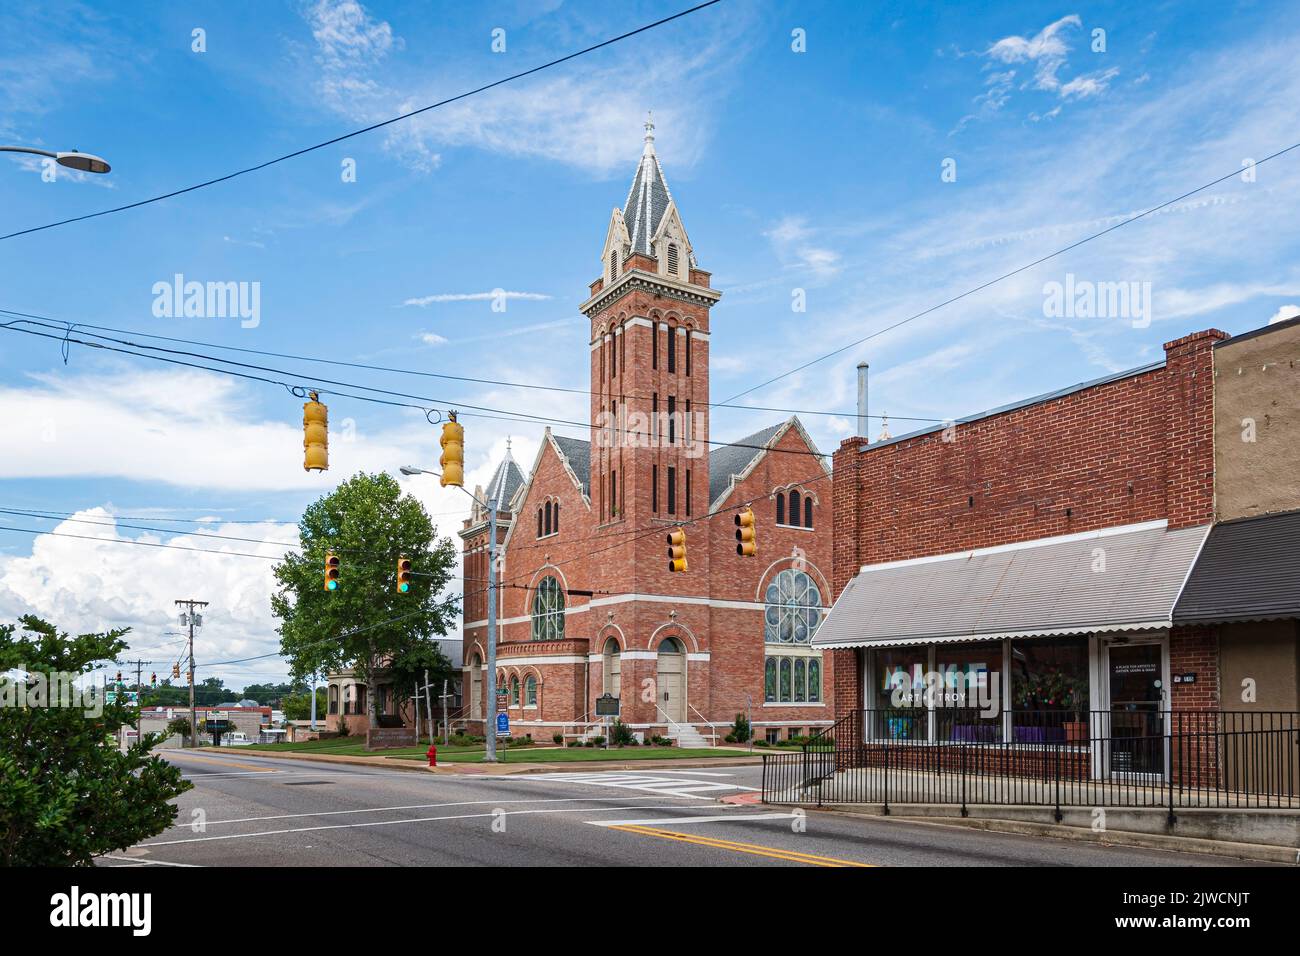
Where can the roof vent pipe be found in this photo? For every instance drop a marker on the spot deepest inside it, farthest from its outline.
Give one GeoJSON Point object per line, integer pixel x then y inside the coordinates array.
{"type": "Point", "coordinates": [863, 427]}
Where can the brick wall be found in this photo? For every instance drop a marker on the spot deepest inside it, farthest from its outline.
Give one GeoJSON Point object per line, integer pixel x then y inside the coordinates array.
{"type": "Point", "coordinates": [1136, 448]}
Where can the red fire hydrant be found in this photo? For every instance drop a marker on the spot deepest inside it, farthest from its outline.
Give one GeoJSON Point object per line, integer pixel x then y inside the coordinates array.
{"type": "Point", "coordinates": [432, 754]}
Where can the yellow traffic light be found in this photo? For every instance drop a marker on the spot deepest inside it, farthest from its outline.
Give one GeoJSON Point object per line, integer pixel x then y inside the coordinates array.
{"type": "Point", "coordinates": [677, 550]}
{"type": "Point", "coordinates": [331, 571]}
{"type": "Point", "coordinates": [176, 672]}
{"type": "Point", "coordinates": [315, 435]}
{"type": "Point", "coordinates": [453, 452]}
{"type": "Point", "coordinates": [403, 575]}
{"type": "Point", "coordinates": [746, 545]}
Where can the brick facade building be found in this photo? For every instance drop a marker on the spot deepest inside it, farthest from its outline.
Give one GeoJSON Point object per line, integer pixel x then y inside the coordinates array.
{"type": "Point", "coordinates": [1037, 549]}
{"type": "Point", "coordinates": [587, 604]}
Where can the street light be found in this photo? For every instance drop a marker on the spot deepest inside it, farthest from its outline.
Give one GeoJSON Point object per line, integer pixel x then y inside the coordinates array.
{"type": "Point", "coordinates": [490, 723]}
{"type": "Point", "coordinates": [74, 159]}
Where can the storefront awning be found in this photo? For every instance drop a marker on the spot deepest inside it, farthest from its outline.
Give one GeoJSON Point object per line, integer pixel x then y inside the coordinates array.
{"type": "Point", "coordinates": [1117, 579]}
{"type": "Point", "coordinates": [1249, 570]}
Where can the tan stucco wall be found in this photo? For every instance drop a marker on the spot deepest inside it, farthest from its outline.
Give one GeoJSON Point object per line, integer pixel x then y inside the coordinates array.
{"type": "Point", "coordinates": [1268, 652]}
{"type": "Point", "coordinates": [1257, 378]}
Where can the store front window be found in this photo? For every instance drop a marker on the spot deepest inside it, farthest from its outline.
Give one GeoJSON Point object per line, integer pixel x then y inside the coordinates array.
{"type": "Point", "coordinates": [1049, 689]}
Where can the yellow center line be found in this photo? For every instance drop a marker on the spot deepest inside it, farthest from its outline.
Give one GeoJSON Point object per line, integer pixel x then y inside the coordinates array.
{"type": "Point", "coordinates": [776, 853]}
{"type": "Point", "coordinates": [224, 763]}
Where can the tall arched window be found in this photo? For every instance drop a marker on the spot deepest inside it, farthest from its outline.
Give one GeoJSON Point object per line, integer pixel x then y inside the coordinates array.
{"type": "Point", "coordinates": [555, 516]}
{"type": "Point", "coordinates": [334, 699]}
{"type": "Point", "coordinates": [793, 608]}
{"type": "Point", "coordinates": [539, 522]}
{"type": "Point", "coordinates": [514, 691]}
{"type": "Point", "coordinates": [780, 508]}
{"type": "Point", "coordinates": [530, 691]}
{"type": "Point", "coordinates": [807, 512]}
{"type": "Point", "coordinates": [547, 509]}
{"type": "Point", "coordinates": [548, 611]}
{"type": "Point", "coordinates": [794, 508]}
{"type": "Point", "coordinates": [613, 682]}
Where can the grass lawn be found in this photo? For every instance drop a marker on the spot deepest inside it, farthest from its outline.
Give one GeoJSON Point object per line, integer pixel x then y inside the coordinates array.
{"type": "Point", "coordinates": [355, 747]}
{"type": "Point", "coordinates": [577, 754]}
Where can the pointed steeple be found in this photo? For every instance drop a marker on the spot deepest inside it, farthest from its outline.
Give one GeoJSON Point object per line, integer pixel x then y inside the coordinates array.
{"type": "Point", "coordinates": [649, 198]}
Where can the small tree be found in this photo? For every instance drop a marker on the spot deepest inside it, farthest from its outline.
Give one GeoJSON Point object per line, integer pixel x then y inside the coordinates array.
{"type": "Point", "coordinates": [67, 792]}
{"type": "Point", "coordinates": [180, 727]}
{"type": "Point", "coordinates": [741, 729]}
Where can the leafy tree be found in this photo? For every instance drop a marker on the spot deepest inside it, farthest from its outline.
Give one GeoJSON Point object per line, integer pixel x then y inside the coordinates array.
{"type": "Point", "coordinates": [67, 792]}
{"type": "Point", "coordinates": [179, 726]}
{"type": "Point", "coordinates": [298, 706]}
{"type": "Point", "coordinates": [365, 623]}
{"type": "Point", "coordinates": [270, 695]}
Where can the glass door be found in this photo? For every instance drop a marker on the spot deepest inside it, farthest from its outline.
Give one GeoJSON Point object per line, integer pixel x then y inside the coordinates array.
{"type": "Point", "coordinates": [1137, 743]}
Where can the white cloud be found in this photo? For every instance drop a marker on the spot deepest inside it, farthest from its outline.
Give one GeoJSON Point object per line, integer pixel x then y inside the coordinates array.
{"type": "Point", "coordinates": [1047, 51]}
{"type": "Point", "coordinates": [432, 338]}
{"type": "Point", "coordinates": [565, 116]}
{"type": "Point", "coordinates": [1284, 313]}
{"type": "Point", "coordinates": [495, 294]}
{"type": "Point", "coordinates": [793, 242]}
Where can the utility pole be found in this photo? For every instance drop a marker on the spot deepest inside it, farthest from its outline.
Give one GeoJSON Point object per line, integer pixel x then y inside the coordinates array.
{"type": "Point", "coordinates": [490, 754]}
{"type": "Point", "coordinates": [189, 619]}
{"type": "Point", "coordinates": [415, 702]}
{"type": "Point", "coordinates": [313, 701]}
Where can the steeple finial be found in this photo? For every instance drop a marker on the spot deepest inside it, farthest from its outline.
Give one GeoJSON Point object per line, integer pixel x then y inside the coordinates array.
{"type": "Point", "coordinates": [649, 131]}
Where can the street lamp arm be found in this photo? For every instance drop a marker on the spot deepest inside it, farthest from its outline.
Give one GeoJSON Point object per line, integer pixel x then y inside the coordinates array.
{"type": "Point", "coordinates": [74, 159]}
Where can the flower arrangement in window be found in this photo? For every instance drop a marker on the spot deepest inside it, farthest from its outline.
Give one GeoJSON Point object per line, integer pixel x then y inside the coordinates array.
{"type": "Point", "coordinates": [1050, 689]}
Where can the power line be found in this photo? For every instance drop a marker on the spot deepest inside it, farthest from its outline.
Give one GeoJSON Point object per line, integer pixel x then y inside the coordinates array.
{"type": "Point", "coordinates": [366, 129]}
{"type": "Point", "coordinates": [476, 411]}
{"type": "Point", "coordinates": [424, 374]}
{"type": "Point", "coordinates": [1008, 275]}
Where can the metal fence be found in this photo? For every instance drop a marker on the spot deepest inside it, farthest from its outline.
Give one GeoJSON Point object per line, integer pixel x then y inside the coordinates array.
{"type": "Point", "coordinates": [1113, 758]}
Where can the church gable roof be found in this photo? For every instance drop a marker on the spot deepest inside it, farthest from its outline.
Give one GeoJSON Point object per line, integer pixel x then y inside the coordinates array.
{"type": "Point", "coordinates": [577, 455]}
{"type": "Point", "coordinates": [731, 463]}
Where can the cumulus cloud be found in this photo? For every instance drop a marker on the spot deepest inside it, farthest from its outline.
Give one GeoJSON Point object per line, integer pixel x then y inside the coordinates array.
{"type": "Point", "coordinates": [1284, 313]}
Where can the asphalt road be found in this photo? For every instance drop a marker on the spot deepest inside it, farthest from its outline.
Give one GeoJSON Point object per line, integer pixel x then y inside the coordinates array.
{"type": "Point", "coordinates": [253, 810]}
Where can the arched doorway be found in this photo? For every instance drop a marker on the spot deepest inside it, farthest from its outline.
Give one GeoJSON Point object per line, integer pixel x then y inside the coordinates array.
{"type": "Point", "coordinates": [670, 680]}
{"type": "Point", "coordinates": [475, 688]}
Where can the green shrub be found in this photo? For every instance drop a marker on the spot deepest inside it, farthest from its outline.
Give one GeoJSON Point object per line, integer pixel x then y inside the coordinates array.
{"type": "Point", "coordinates": [621, 734]}
{"type": "Point", "coordinates": [741, 729]}
{"type": "Point", "coordinates": [558, 738]}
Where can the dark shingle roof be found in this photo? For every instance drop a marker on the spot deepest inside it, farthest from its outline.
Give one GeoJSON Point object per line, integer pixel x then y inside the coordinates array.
{"type": "Point", "coordinates": [578, 453]}
{"type": "Point", "coordinates": [733, 459]}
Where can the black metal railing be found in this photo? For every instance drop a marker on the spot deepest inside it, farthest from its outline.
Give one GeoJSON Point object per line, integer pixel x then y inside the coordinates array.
{"type": "Point", "coordinates": [1124, 757]}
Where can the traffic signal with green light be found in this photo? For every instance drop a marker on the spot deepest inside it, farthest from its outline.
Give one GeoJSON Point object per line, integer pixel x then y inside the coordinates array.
{"type": "Point", "coordinates": [403, 575]}
{"type": "Point", "coordinates": [331, 571]}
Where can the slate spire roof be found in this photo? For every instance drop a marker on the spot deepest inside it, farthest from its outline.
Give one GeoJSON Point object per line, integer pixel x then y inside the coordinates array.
{"type": "Point", "coordinates": [505, 480]}
{"type": "Point", "coordinates": [648, 199]}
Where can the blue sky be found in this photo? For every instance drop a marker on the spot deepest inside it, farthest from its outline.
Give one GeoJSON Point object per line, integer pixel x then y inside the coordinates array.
{"type": "Point", "coordinates": [817, 170]}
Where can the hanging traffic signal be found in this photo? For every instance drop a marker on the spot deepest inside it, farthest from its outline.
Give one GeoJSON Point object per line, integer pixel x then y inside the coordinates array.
{"type": "Point", "coordinates": [453, 452]}
{"type": "Point", "coordinates": [315, 435]}
{"type": "Point", "coordinates": [119, 677]}
{"type": "Point", "coordinates": [677, 550]}
{"type": "Point", "coordinates": [403, 575]}
{"type": "Point", "coordinates": [331, 571]}
{"type": "Point", "coordinates": [176, 672]}
{"type": "Point", "coordinates": [153, 680]}
{"type": "Point", "coordinates": [746, 545]}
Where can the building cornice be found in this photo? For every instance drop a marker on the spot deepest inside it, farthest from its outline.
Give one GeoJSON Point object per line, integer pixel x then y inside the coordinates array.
{"type": "Point", "coordinates": [650, 282]}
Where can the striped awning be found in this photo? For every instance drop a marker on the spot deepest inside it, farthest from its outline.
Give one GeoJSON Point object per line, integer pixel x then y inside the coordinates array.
{"type": "Point", "coordinates": [1118, 579]}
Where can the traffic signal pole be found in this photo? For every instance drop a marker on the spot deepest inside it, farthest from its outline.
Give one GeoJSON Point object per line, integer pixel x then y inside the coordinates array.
{"type": "Point", "coordinates": [490, 755]}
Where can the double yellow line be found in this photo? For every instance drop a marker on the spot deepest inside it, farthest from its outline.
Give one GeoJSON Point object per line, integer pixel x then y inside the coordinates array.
{"type": "Point", "coordinates": [773, 852]}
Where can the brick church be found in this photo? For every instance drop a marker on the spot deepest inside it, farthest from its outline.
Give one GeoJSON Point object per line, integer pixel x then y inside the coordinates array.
{"type": "Point", "coordinates": [587, 604]}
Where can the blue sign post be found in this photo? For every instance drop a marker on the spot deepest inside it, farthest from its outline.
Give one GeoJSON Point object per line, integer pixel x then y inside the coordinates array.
{"type": "Point", "coordinates": [503, 724]}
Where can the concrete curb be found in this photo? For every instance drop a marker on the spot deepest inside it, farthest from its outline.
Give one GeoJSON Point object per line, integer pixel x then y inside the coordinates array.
{"type": "Point", "coordinates": [480, 769]}
{"type": "Point", "coordinates": [1257, 852]}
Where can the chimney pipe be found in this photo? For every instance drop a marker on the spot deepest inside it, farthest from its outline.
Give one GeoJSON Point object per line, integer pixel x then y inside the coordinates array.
{"type": "Point", "coordinates": [864, 428]}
